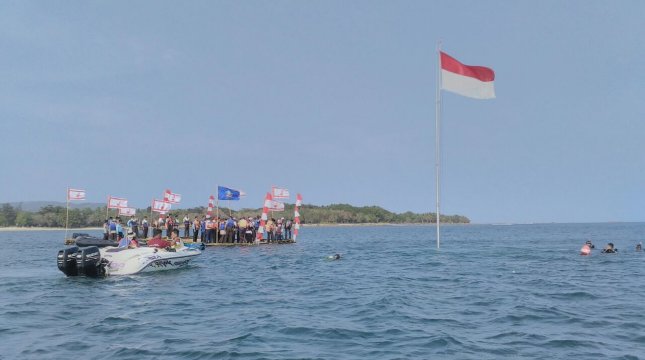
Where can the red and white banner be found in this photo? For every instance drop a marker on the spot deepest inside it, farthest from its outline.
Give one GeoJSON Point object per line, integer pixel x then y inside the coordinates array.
{"type": "Point", "coordinates": [211, 204]}
{"type": "Point", "coordinates": [75, 194]}
{"type": "Point", "coordinates": [171, 197]}
{"type": "Point", "coordinates": [296, 216]}
{"type": "Point", "coordinates": [160, 206]}
{"type": "Point", "coordinates": [116, 203]}
{"type": "Point", "coordinates": [471, 81]}
{"type": "Point", "coordinates": [128, 211]}
{"type": "Point", "coordinates": [264, 218]}
{"type": "Point", "coordinates": [275, 206]}
{"type": "Point", "coordinates": [279, 193]}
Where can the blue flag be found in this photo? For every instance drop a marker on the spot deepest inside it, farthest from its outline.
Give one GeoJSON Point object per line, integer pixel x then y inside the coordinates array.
{"type": "Point", "coordinates": [224, 193]}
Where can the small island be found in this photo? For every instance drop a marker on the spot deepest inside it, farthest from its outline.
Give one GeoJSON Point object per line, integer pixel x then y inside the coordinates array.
{"type": "Point", "coordinates": [53, 215]}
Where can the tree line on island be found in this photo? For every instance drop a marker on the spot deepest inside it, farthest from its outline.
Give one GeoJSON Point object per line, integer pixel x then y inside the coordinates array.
{"type": "Point", "coordinates": [54, 216]}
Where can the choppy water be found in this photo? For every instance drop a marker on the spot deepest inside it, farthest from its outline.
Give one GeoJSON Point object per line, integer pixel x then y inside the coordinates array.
{"type": "Point", "coordinates": [519, 291]}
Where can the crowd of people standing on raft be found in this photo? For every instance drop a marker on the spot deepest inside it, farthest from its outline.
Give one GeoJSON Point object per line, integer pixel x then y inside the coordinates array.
{"type": "Point", "coordinates": [207, 230]}
{"type": "Point", "coordinates": [608, 249]}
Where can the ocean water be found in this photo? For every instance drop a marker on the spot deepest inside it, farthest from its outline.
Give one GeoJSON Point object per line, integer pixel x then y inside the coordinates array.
{"type": "Point", "coordinates": [491, 292]}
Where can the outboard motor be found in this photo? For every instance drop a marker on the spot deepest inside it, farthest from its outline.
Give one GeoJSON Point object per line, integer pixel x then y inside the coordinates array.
{"type": "Point", "coordinates": [88, 262]}
{"type": "Point", "coordinates": [75, 235]}
{"type": "Point", "coordinates": [67, 261]}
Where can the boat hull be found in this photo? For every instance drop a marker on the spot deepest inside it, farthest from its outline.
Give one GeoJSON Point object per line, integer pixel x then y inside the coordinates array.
{"type": "Point", "coordinates": [135, 261]}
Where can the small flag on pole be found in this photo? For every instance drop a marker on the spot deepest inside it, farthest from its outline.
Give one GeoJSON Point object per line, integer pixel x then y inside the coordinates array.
{"type": "Point", "coordinates": [160, 206]}
{"type": "Point", "coordinates": [172, 197]}
{"type": "Point", "coordinates": [75, 194]}
{"type": "Point", "coordinates": [275, 205]}
{"type": "Point", "coordinates": [224, 193]}
{"type": "Point", "coordinates": [279, 193]}
{"type": "Point", "coordinates": [128, 211]}
{"type": "Point", "coordinates": [466, 80]}
{"type": "Point", "coordinates": [116, 203]}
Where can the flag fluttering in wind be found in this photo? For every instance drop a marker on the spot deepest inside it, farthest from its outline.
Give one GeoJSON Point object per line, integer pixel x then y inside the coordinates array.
{"type": "Point", "coordinates": [160, 206]}
{"type": "Point", "coordinates": [276, 206]}
{"type": "Point", "coordinates": [224, 193]}
{"type": "Point", "coordinates": [75, 194]}
{"type": "Point", "coordinates": [279, 193]}
{"type": "Point", "coordinates": [128, 211]}
{"type": "Point", "coordinates": [466, 80]}
{"type": "Point", "coordinates": [116, 203]}
{"type": "Point", "coordinates": [171, 197]}
{"type": "Point", "coordinates": [296, 216]}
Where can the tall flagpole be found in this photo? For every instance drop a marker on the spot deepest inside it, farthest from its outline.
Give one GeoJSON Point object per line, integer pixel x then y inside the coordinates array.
{"type": "Point", "coordinates": [67, 216]}
{"type": "Point", "coordinates": [437, 137]}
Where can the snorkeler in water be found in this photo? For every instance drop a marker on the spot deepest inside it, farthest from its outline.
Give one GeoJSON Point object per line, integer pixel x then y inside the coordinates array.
{"type": "Point", "coordinates": [333, 257]}
{"type": "Point", "coordinates": [609, 249]}
{"type": "Point", "coordinates": [639, 246]}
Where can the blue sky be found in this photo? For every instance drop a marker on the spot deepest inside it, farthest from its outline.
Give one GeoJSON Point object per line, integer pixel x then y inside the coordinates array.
{"type": "Point", "coordinates": [333, 99]}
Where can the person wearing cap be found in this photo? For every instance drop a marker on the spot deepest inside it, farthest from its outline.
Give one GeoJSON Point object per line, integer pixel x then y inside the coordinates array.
{"type": "Point", "coordinates": [132, 235]}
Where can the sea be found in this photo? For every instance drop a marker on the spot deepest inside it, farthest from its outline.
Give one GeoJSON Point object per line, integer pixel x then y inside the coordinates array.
{"type": "Point", "coordinates": [489, 292]}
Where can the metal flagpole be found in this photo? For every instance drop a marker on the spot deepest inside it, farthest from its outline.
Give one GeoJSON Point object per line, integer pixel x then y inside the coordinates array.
{"type": "Point", "coordinates": [67, 216]}
{"type": "Point", "coordinates": [437, 137]}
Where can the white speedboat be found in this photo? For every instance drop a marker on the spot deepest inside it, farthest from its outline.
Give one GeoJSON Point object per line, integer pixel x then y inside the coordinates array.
{"type": "Point", "coordinates": [95, 262]}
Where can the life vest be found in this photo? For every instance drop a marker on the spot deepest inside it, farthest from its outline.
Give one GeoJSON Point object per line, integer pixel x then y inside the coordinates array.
{"type": "Point", "coordinates": [585, 250]}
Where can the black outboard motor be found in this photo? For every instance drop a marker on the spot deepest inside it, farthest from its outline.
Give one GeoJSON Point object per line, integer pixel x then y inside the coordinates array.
{"type": "Point", "coordinates": [88, 262]}
{"type": "Point", "coordinates": [67, 261]}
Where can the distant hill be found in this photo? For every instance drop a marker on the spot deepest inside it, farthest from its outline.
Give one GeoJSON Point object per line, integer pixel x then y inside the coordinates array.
{"type": "Point", "coordinates": [33, 206]}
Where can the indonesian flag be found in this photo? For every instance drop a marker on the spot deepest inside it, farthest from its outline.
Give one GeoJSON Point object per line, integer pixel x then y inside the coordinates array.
{"type": "Point", "coordinates": [275, 205]}
{"type": "Point", "coordinates": [279, 193]}
{"type": "Point", "coordinates": [171, 197]}
{"type": "Point", "coordinates": [471, 81]}
{"type": "Point", "coordinates": [128, 211]}
{"type": "Point", "coordinates": [298, 200]}
{"type": "Point", "coordinates": [116, 203]}
{"type": "Point", "coordinates": [75, 194]}
{"type": "Point", "coordinates": [160, 206]}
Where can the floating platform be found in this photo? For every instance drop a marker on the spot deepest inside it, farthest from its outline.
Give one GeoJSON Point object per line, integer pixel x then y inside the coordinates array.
{"type": "Point", "coordinates": [264, 242]}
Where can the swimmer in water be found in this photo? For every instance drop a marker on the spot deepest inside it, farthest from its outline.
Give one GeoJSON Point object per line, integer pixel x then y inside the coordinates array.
{"type": "Point", "coordinates": [609, 249]}
{"type": "Point", "coordinates": [591, 246]}
{"type": "Point", "coordinates": [334, 257]}
{"type": "Point", "coordinates": [639, 246]}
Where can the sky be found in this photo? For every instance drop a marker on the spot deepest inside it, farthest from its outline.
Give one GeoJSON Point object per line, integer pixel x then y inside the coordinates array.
{"type": "Point", "coordinates": [332, 99]}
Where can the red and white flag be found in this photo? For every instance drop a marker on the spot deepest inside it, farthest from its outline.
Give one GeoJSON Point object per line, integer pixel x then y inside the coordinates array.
{"type": "Point", "coordinates": [128, 211]}
{"type": "Point", "coordinates": [275, 205]}
{"type": "Point", "coordinates": [279, 193]}
{"type": "Point", "coordinates": [160, 206]}
{"type": "Point", "coordinates": [116, 203]}
{"type": "Point", "coordinates": [171, 197]}
{"type": "Point", "coordinates": [75, 194]}
{"type": "Point", "coordinates": [471, 81]}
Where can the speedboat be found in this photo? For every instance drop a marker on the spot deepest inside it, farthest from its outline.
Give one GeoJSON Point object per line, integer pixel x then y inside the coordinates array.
{"type": "Point", "coordinates": [94, 262]}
